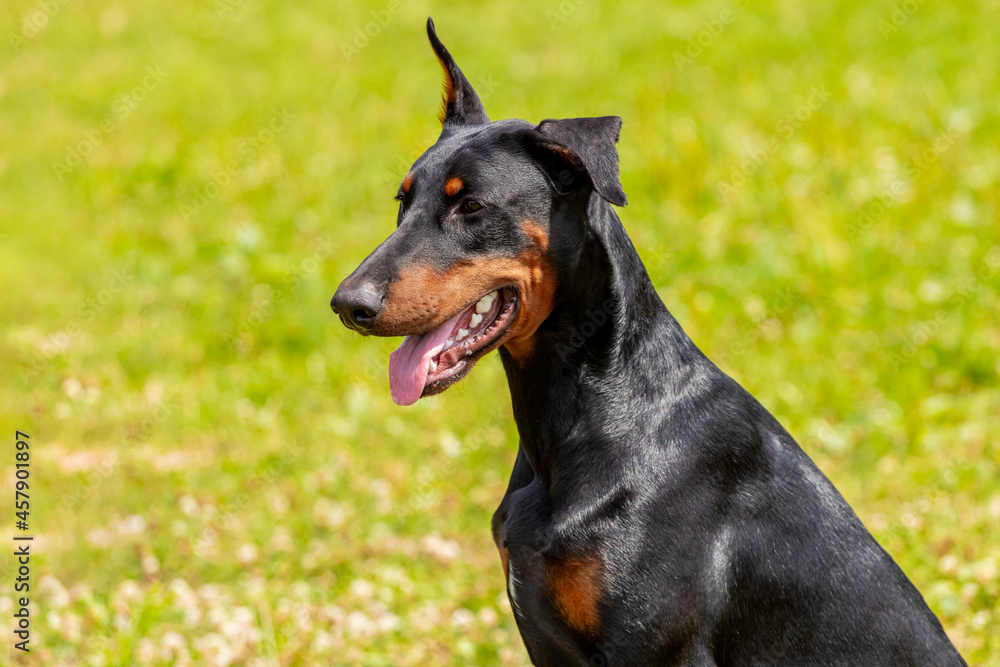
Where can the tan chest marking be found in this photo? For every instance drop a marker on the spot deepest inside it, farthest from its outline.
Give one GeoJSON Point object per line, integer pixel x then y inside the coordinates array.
{"type": "Point", "coordinates": [575, 586]}
{"type": "Point", "coordinates": [498, 540]}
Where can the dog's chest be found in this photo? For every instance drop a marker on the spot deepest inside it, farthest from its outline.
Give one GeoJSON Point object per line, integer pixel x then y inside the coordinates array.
{"type": "Point", "coordinates": [556, 592]}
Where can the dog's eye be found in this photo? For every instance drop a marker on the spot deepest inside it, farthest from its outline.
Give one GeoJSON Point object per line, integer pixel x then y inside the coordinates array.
{"type": "Point", "coordinates": [470, 206]}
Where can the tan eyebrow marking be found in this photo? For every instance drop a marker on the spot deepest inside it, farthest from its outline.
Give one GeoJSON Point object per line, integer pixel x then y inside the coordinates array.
{"type": "Point", "coordinates": [407, 182]}
{"type": "Point", "coordinates": [453, 186]}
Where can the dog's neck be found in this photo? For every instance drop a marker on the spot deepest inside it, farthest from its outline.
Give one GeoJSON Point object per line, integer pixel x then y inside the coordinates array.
{"type": "Point", "coordinates": [596, 346]}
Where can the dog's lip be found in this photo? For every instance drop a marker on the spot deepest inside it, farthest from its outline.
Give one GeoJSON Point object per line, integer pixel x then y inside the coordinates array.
{"type": "Point", "coordinates": [426, 363]}
{"type": "Point", "coordinates": [479, 336]}
{"type": "Point", "coordinates": [424, 329]}
{"type": "Point", "coordinates": [464, 357]}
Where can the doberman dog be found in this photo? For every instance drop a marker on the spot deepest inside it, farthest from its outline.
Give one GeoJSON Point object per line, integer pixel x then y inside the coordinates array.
{"type": "Point", "coordinates": [656, 514]}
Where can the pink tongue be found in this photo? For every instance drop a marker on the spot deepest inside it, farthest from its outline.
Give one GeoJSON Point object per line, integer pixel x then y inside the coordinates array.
{"type": "Point", "coordinates": [408, 364]}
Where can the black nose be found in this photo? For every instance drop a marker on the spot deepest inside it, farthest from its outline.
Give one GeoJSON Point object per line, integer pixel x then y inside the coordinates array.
{"type": "Point", "coordinates": [358, 304]}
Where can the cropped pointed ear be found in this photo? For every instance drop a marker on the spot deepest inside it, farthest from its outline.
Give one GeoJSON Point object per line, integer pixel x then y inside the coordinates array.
{"type": "Point", "coordinates": [460, 106]}
{"type": "Point", "coordinates": [580, 151]}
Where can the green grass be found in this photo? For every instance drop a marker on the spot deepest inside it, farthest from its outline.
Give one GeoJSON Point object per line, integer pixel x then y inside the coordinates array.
{"type": "Point", "coordinates": [218, 471]}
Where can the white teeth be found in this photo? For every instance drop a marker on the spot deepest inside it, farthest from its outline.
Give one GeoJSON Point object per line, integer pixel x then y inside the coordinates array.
{"type": "Point", "coordinates": [476, 319]}
{"type": "Point", "coordinates": [486, 302]}
{"type": "Point", "coordinates": [432, 365]}
{"type": "Point", "coordinates": [462, 333]}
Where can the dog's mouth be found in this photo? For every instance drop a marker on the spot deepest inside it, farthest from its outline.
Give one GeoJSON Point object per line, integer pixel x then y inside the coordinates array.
{"type": "Point", "coordinates": [428, 363]}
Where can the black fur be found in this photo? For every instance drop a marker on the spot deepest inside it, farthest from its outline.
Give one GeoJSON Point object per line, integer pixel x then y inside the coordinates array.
{"type": "Point", "coordinates": [719, 540]}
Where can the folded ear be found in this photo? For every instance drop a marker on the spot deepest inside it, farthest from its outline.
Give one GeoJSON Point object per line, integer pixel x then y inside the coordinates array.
{"type": "Point", "coordinates": [461, 105]}
{"type": "Point", "coordinates": [581, 151]}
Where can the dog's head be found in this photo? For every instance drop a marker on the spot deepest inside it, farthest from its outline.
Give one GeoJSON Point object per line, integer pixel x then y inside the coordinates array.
{"type": "Point", "coordinates": [475, 259]}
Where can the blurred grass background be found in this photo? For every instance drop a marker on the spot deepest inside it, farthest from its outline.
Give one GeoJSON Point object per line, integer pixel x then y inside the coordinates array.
{"type": "Point", "coordinates": [219, 475]}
